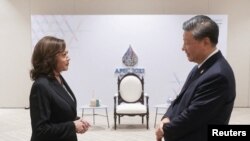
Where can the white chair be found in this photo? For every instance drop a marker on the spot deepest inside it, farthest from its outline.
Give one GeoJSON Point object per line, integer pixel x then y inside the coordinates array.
{"type": "Point", "coordinates": [131, 99]}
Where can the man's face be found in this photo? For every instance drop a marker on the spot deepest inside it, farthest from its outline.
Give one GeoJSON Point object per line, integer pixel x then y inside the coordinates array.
{"type": "Point", "coordinates": [192, 47]}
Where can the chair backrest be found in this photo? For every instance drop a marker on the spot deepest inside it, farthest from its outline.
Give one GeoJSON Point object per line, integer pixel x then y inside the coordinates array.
{"type": "Point", "coordinates": [130, 89]}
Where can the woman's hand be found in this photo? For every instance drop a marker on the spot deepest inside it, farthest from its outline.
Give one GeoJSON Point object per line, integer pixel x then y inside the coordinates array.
{"type": "Point", "coordinates": [81, 126]}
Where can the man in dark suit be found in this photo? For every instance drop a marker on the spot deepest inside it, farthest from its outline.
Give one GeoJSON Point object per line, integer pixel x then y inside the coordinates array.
{"type": "Point", "coordinates": [208, 94]}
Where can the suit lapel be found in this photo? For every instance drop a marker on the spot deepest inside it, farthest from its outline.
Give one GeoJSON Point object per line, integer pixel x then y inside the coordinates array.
{"type": "Point", "coordinates": [68, 88]}
{"type": "Point", "coordinates": [190, 78]}
{"type": "Point", "coordinates": [197, 72]}
{"type": "Point", "coordinates": [62, 93]}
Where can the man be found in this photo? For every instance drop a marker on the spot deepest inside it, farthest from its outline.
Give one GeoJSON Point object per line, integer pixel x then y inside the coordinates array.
{"type": "Point", "coordinates": [208, 94]}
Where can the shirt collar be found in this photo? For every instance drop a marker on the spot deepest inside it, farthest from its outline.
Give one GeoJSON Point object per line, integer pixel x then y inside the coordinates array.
{"type": "Point", "coordinates": [211, 54]}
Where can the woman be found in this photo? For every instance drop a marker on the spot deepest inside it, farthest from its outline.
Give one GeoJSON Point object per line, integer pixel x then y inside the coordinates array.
{"type": "Point", "coordinates": [52, 103]}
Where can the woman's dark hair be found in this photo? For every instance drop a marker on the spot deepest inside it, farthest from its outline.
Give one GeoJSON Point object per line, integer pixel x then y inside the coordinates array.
{"type": "Point", "coordinates": [44, 56]}
{"type": "Point", "coordinates": [202, 26]}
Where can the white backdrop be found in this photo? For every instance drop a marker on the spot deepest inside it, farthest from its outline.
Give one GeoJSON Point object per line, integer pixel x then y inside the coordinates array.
{"type": "Point", "coordinates": [97, 43]}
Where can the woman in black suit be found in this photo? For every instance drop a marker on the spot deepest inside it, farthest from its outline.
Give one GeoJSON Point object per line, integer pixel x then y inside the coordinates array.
{"type": "Point", "coordinates": [52, 103]}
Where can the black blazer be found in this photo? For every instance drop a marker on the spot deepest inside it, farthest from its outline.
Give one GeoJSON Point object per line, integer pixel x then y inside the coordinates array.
{"type": "Point", "coordinates": [52, 111]}
{"type": "Point", "coordinates": [207, 98]}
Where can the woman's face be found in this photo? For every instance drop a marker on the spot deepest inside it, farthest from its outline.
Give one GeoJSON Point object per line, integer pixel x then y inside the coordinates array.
{"type": "Point", "coordinates": [62, 59]}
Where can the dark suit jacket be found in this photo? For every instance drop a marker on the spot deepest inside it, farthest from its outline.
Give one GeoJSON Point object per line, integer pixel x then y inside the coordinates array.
{"type": "Point", "coordinates": [207, 99]}
{"type": "Point", "coordinates": [52, 111]}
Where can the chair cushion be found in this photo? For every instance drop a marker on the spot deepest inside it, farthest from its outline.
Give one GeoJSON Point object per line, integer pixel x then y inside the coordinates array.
{"type": "Point", "coordinates": [131, 108]}
{"type": "Point", "coordinates": [130, 88]}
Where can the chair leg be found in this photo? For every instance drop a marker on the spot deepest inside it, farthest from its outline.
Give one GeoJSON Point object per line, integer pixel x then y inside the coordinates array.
{"type": "Point", "coordinates": [142, 119]}
{"type": "Point", "coordinates": [119, 119]}
{"type": "Point", "coordinates": [147, 120]}
{"type": "Point", "coordinates": [115, 121]}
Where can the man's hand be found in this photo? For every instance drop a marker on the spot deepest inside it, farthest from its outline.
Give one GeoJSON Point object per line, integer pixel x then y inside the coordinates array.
{"type": "Point", "coordinates": [159, 130]}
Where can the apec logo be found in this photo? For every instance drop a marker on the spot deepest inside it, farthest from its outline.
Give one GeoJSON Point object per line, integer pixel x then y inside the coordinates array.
{"type": "Point", "coordinates": [129, 70]}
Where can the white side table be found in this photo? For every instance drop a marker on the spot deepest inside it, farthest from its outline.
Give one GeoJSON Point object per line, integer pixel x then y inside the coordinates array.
{"type": "Point", "coordinates": [160, 106]}
{"type": "Point", "coordinates": [86, 107]}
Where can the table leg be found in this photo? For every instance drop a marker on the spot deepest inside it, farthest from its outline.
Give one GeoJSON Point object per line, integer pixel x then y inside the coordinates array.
{"type": "Point", "coordinates": [82, 112]}
{"type": "Point", "coordinates": [94, 116]}
{"type": "Point", "coordinates": [156, 115]}
{"type": "Point", "coordinates": [107, 116]}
